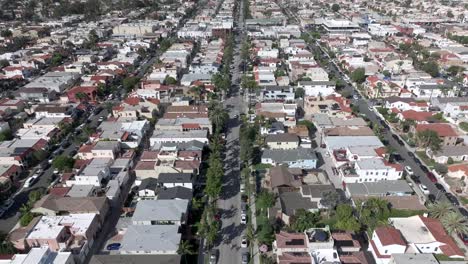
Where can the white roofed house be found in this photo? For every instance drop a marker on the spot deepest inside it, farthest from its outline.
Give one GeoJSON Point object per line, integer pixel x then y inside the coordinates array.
{"type": "Point", "coordinates": [94, 173]}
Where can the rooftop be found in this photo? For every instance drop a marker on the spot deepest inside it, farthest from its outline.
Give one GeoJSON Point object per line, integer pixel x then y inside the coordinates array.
{"type": "Point", "coordinates": [160, 238]}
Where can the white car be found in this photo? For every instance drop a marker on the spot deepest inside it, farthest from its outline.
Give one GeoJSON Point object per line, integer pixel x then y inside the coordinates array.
{"type": "Point", "coordinates": [424, 188]}
{"type": "Point", "coordinates": [244, 242]}
{"type": "Point", "coordinates": [30, 181]}
{"type": "Point", "coordinates": [242, 188]}
{"type": "Point", "coordinates": [243, 219]}
{"type": "Point", "coordinates": [409, 170]}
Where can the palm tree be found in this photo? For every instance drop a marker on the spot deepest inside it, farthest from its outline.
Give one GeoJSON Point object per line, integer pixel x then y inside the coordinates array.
{"type": "Point", "coordinates": [455, 223]}
{"type": "Point", "coordinates": [440, 209]}
{"type": "Point", "coordinates": [185, 248]}
{"type": "Point", "coordinates": [218, 118]}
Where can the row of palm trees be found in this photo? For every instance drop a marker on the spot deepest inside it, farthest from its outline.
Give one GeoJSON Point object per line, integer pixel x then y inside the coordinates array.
{"type": "Point", "coordinates": [453, 222]}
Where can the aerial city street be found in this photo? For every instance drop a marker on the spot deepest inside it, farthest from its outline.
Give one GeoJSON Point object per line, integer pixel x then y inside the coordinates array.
{"type": "Point", "coordinates": [233, 131]}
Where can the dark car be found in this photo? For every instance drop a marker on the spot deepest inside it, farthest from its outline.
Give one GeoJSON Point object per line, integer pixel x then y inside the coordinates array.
{"type": "Point", "coordinates": [464, 238]}
{"type": "Point", "coordinates": [440, 187]}
{"type": "Point", "coordinates": [463, 211]}
{"type": "Point", "coordinates": [431, 198]}
{"type": "Point", "coordinates": [401, 142]}
{"type": "Point", "coordinates": [411, 154]}
{"type": "Point", "coordinates": [431, 177]}
{"type": "Point", "coordinates": [415, 178]}
{"type": "Point", "coordinates": [424, 168]}
{"type": "Point", "coordinates": [113, 246]}
{"type": "Point", "coordinates": [452, 199]}
{"type": "Point", "coordinates": [394, 136]}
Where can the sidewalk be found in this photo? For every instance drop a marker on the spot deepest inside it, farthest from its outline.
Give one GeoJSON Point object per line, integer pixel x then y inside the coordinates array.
{"type": "Point", "coordinates": [255, 254]}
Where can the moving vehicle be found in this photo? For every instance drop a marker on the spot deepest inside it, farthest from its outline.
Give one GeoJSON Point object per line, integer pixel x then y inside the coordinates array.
{"type": "Point", "coordinates": [113, 246]}
{"type": "Point", "coordinates": [243, 219]}
{"type": "Point", "coordinates": [244, 242]}
{"type": "Point", "coordinates": [409, 170]}
{"type": "Point", "coordinates": [424, 188]}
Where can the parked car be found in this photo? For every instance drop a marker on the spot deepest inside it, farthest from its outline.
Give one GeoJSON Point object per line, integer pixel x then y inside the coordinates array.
{"type": "Point", "coordinates": [415, 178]}
{"type": "Point", "coordinates": [6, 206]}
{"type": "Point", "coordinates": [31, 180]}
{"type": "Point", "coordinates": [463, 211]}
{"type": "Point", "coordinates": [464, 238]}
{"type": "Point", "coordinates": [440, 187]}
{"type": "Point", "coordinates": [431, 177]}
{"type": "Point", "coordinates": [245, 258]}
{"type": "Point", "coordinates": [244, 242]}
{"type": "Point", "coordinates": [242, 188]}
{"type": "Point", "coordinates": [409, 170]}
{"type": "Point", "coordinates": [424, 168]}
{"type": "Point", "coordinates": [113, 246]}
{"type": "Point", "coordinates": [452, 199]}
{"type": "Point", "coordinates": [424, 188]}
{"type": "Point", "coordinates": [431, 198]}
{"type": "Point", "coordinates": [243, 219]}
{"type": "Point", "coordinates": [213, 256]}
{"type": "Point", "coordinates": [101, 118]}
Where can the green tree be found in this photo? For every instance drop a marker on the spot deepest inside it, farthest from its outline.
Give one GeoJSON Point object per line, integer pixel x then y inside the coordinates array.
{"type": "Point", "coordinates": [218, 117]}
{"type": "Point", "coordinates": [431, 67]}
{"type": "Point", "coordinates": [81, 96]}
{"type": "Point", "coordinates": [6, 135]}
{"type": "Point", "coordinates": [386, 73]}
{"type": "Point", "coordinates": [63, 163]}
{"type": "Point", "coordinates": [170, 80]}
{"type": "Point", "coordinates": [4, 63]}
{"type": "Point", "coordinates": [429, 139]}
{"type": "Point", "coordinates": [26, 219]}
{"type": "Point", "coordinates": [440, 209]}
{"type": "Point", "coordinates": [279, 73]}
{"type": "Point", "coordinates": [265, 200]}
{"type": "Point", "coordinates": [346, 219]}
{"type": "Point", "coordinates": [129, 83]}
{"type": "Point", "coordinates": [34, 196]}
{"type": "Point", "coordinates": [358, 75]}
{"type": "Point", "coordinates": [335, 7]}
{"type": "Point", "coordinates": [299, 92]}
{"type": "Point", "coordinates": [441, 168]}
{"type": "Point", "coordinates": [310, 126]}
{"type": "Point", "coordinates": [450, 14]}
{"type": "Point", "coordinates": [330, 199]}
{"type": "Point", "coordinates": [303, 220]}
{"type": "Point", "coordinates": [6, 33]}
{"type": "Point", "coordinates": [185, 248]}
{"type": "Point", "coordinates": [245, 50]}
{"type": "Point", "coordinates": [454, 70]}
{"type": "Point", "coordinates": [56, 59]}
{"type": "Point", "coordinates": [455, 223]}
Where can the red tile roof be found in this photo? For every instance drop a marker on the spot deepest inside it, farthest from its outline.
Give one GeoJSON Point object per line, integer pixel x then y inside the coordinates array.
{"type": "Point", "coordinates": [389, 236]}
{"type": "Point", "coordinates": [437, 230]}
{"type": "Point", "coordinates": [443, 130]}
{"type": "Point", "coordinates": [190, 126]}
{"type": "Point", "coordinates": [132, 101]}
{"type": "Point", "coordinates": [59, 191]}
{"type": "Point", "coordinates": [459, 167]}
{"type": "Point", "coordinates": [145, 165]}
{"type": "Point", "coordinates": [283, 237]}
{"type": "Point", "coordinates": [416, 116]}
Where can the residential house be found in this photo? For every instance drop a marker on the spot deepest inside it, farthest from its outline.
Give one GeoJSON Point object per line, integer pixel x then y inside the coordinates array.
{"type": "Point", "coordinates": [99, 149]}
{"type": "Point", "coordinates": [426, 235]}
{"type": "Point", "coordinates": [301, 158]}
{"type": "Point", "coordinates": [317, 88]}
{"type": "Point", "coordinates": [43, 254]}
{"type": "Point", "coordinates": [171, 180]}
{"type": "Point", "coordinates": [446, 132]}
{"type": "Point", "coordinates": [151, 240]}
{"type": "Point", "coordinates": [97, 170]}
{"type": "Point", "coordinates": [458, 153]}
{"type": "Point", "coordinates": [160, 212]}
{"type": "Point", "coordinates": [51, 205]}
{"type": "Point", "coordinates": [405, 104]}
{"type": "Point", "coordinates": [386, 241]}
{"type": "Point", "coordinates": [175, 193]}
{"type": "Point", "coordinates": [282, 141]}
{"type": "Point", "coordinates": [148, 188]}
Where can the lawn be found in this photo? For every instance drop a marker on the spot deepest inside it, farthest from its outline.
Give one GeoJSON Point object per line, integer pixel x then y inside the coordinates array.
{"type": "Point", "coordinates": [262, 166]}
{"type": "Point", "coordinates": [422, 155]}
{"type": "Point", "coordinates": [464, 200]}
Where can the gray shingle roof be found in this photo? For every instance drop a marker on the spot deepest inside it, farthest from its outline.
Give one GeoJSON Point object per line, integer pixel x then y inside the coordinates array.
{"type": "Point", "coordinates": [178, 192]}
{"type": "Point", "coordinates": [151, 238]}
{"type": "Point", "coordinates": [175, 177]}
{"type": "Point", "coordinates": [282, 156]}
{"type": "Point", "coordinates": [160, 210]}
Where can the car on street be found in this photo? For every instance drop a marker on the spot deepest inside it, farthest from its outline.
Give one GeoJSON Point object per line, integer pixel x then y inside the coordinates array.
{"type": "Point", "coordinates": [6, 206]}
{"type": "Point", "coordinates": [440, 187]}
{"type": "Point", "coordinates": [213, 256]}
{"type": "Point", "coordinates": [424, 189]}
{"type": "Point", "coordinates": [244, 242]}
{"type": "Point", "coordinates": [463, 211]}
{"type": "Point", "coordinates": [242, 188]}
{"type": "Point", "coordinates": [415, 178]}
{"type": "Point", "coordinates": [452, 199]}
{"type": "Point", "coordinates": [113, 246]}
{"type": "Point", "coordinates": [243, 219]}
{"type": "Point", "coordinates": [31, 180]}
{"type": "Point", "coordinates": [245, 258]}
{"type": "Point", "coordinates": [464, 238]}
{"type": "Point", "coordinates": [431, 177]}
{"type": "Point", "coordinates": [409, 170]}
{"type": "Point", "coordinates": [431, 198]}
{"type": "Point", "coordinates": [101, 118]}
{"type": "Point", "coordinates": [424, 168]}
